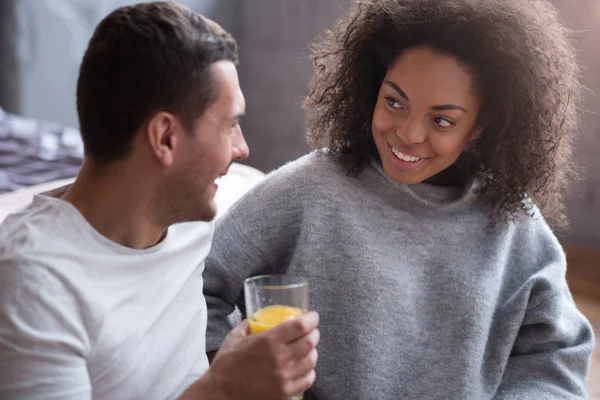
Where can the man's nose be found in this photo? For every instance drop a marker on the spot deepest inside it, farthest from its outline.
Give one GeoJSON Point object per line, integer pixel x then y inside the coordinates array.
{"type": "Point", "coordinates": [240, 149]}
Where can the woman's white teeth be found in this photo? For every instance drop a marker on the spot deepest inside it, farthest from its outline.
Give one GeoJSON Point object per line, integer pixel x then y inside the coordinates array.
{"type": "Point", "coordinates": [405, 157]}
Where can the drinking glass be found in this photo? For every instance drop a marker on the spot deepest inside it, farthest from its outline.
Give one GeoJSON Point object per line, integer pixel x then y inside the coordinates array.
{"type": "Point", "coordinates": [273, 299]}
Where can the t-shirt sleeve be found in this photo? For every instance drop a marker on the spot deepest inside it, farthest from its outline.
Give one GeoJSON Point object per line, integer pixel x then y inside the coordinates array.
{"type": "Point", "coordinates": [43, 336]}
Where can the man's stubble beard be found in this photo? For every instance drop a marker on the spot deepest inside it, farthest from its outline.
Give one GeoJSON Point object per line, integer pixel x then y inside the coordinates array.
{"type": "Point", "coordinates": [183, 198]}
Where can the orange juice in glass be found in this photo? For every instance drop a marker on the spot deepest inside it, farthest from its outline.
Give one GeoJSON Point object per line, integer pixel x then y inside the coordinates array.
{"type": "Point", "coordinates": [273, 299]}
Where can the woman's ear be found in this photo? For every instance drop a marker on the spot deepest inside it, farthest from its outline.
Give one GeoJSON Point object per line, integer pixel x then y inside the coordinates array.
{"type": "Point", "coordinates": [482, 123]}
{"type": "Point", "coordinates": [476, 132]}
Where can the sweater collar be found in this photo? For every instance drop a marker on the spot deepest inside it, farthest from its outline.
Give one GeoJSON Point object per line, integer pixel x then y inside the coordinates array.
{"type": "Point", "coordinates": [430, 195]}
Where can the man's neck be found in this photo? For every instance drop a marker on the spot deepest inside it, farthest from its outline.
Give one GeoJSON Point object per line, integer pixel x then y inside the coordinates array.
{"type": "Point", "coordinates": [117, 204]}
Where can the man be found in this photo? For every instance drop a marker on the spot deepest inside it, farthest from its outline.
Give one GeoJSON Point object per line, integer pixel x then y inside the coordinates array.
{"type": "Point", "coordinates": [101, 282]}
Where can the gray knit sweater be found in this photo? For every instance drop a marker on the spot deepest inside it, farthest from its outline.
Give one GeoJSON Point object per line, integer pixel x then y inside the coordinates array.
{"type": "Point", "coordinates": [418, 300]}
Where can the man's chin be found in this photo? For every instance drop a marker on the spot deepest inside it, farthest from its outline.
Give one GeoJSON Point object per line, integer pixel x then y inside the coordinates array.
{"type": "Point", "coordinates": [208, 214]}
{"type": "Point", "coordinates": [205, 213]}
{"type": "Point", "coordinates": [210, 211]}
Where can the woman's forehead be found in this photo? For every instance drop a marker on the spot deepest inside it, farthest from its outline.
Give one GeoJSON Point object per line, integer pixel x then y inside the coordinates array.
{"type": "Point", "coordinates": [422, 71]}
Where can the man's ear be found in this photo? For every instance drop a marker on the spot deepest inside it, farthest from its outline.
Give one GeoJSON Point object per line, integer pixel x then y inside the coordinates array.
{"type": "Point", "coordinates": [162, 134]}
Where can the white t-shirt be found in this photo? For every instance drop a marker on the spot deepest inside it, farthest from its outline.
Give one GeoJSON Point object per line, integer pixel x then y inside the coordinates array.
{"type": "Point", "coordinates": [82, 317]}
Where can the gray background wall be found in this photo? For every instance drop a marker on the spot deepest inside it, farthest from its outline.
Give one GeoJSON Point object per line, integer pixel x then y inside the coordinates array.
{"type": "Point", "coordinates": [275, 71]}
{"type": "Point", "coordinates": [42, 41]}
{"type": "Point", "coordinates": [584, 202]}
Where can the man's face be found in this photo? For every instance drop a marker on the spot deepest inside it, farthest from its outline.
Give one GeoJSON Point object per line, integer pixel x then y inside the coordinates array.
{"type": "Point", "coordinates": [207, 151]}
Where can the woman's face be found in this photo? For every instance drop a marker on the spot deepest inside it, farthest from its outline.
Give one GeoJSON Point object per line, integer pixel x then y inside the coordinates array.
{"type": "Point", "coordinates": [425, 114]}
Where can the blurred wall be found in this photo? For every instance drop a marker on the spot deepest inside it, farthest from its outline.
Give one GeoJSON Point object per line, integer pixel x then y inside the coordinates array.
{"type": "Point", "coordinates": [275, 71]}
{"type": "Point", "coordinates": [584, 202]}
{"type": "Point", "coordinates": [42, 43]}
{"type": "Point", "coordinates": [10, 97]}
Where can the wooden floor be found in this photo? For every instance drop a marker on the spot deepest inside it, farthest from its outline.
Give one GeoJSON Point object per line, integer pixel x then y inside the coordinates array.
{"type": "Point", "coordinates": [583, 275]}
{"type": "Point", "coordinates": [591, 309]}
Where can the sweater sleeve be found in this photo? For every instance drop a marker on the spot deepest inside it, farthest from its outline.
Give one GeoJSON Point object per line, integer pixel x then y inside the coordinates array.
{"type": "Point", "coordinates": [231, 260]}
{"type": "Point", "coordinates": [255, 237]}
{"type": "Point", "coordinates": [551, 354]}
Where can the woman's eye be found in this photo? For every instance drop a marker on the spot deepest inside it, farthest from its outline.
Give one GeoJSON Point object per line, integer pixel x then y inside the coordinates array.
{"type": "Point", "coordinates": [442, 122]}
{"type": "Point", "coordinates": [392, 103]}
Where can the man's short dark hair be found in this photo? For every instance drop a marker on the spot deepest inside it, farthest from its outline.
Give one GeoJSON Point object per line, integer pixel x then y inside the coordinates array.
{"type": "Point", "coordinates": [143, 59]}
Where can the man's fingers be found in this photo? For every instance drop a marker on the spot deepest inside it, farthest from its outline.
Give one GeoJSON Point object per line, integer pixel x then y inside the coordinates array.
{"type": "Point", "coordinates": [293, 330]}
{"type": "Point", "coordinates": [301, 347]}
{"type": "Point", "coordinates": [301, 385]}
{"type": "Point", "coordinates": [305, 365]}
{"type": "Point", "coordinates": [241, 330]}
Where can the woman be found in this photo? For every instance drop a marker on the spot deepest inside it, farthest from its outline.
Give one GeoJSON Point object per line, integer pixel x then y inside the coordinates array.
{"type": "Point", "coordinates": [442, 132]}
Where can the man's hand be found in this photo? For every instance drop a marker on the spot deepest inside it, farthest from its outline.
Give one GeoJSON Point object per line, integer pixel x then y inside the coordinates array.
{"type": "Point", "coordinates": [275, 364]}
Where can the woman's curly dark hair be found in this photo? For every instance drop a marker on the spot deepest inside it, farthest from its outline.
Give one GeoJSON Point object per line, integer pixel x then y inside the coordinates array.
{"type": "Point", "coordinates": [523, 65]}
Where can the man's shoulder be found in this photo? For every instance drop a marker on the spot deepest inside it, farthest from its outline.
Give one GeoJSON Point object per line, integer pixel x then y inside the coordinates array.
{"type": "Point", "coordinates": [29, 240]}
{"type": "Point", "coordinates": [31, 227]}
{"type": "Point", "coordinates": [38, 267]}
{"type": "Point", "coordinates": [39, 302]}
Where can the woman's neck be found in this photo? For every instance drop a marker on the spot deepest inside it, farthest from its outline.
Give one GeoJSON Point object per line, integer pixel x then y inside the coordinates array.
{"type": "Point", "coordinates": [451, 176]}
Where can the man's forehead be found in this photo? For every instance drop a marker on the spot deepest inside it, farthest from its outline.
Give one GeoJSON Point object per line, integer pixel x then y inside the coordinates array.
{"type": "Point", "coordinates": [229, 93]}
{"type": "Point", "coordinates": [227, 107]}
{"type": "Point", "coordinates": [237, 105]}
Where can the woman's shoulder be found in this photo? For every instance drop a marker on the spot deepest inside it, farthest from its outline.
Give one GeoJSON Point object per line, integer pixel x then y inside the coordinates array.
{"type": "Point", "coordinates": [534, 246]}
{"type": "Point", "coordinates": [317, 161]}
{"type": "Point", "coordinates": [316, 167]}
{"type": "Point", "coordinates": [295, 182]}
